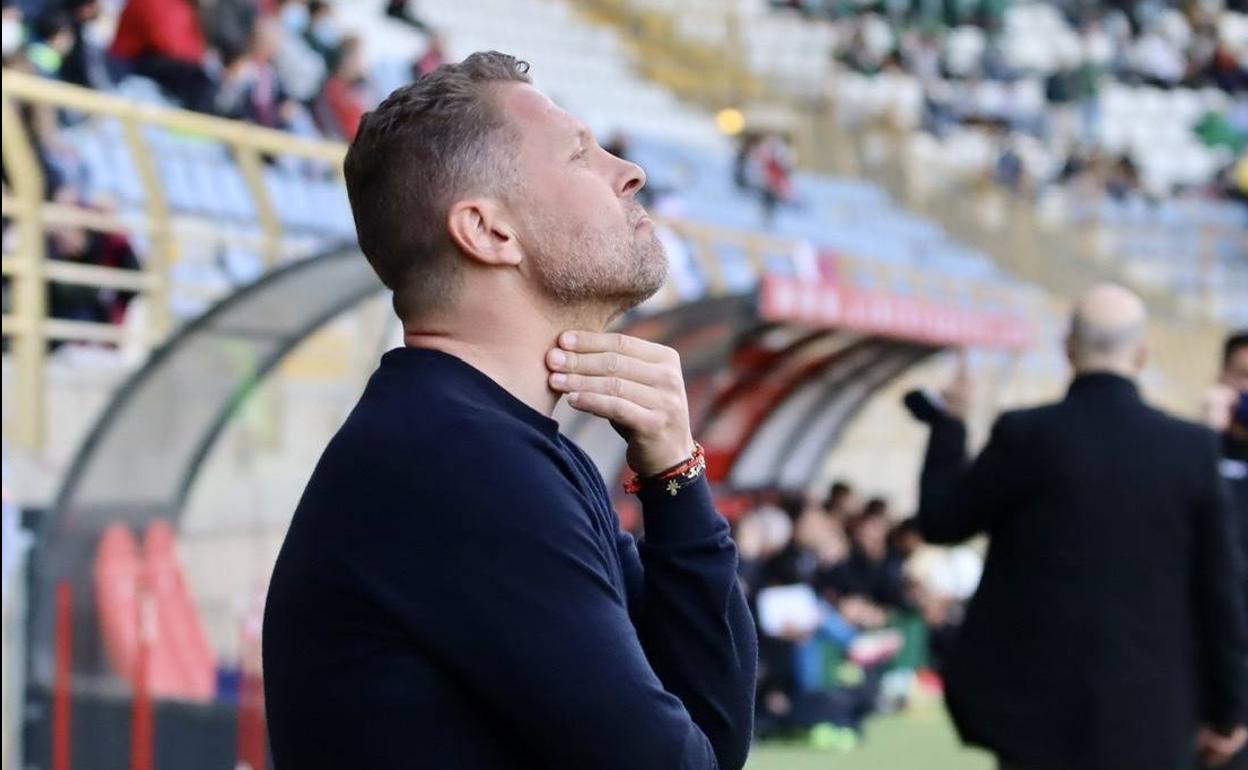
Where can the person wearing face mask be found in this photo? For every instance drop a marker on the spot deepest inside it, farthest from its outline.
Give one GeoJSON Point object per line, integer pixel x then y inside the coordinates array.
{"type": "Point", "coordinates": [300, 69]}
{"type": "Point", "coordinates": [345, 99]}
{"type": "Point", "coordinates": [87, 64]}
{"type": "Point", "coordinates": [53, 39]}
{"type": "Point", "coordinates": [322, 34]}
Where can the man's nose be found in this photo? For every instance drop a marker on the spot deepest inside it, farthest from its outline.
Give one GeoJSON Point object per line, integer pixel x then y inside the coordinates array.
{"type": "Point", "coordinates": [632, 179]}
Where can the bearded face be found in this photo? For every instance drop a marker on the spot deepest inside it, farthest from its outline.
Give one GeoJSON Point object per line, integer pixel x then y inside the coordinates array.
{"type": "Point", "coordinates": [598, 260]}
{"type": "Point", "coordinates": [587, 240]}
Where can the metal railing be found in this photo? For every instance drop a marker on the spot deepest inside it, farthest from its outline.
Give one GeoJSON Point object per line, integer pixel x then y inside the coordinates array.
{"type": "Point", "coordinates": [28, 328]}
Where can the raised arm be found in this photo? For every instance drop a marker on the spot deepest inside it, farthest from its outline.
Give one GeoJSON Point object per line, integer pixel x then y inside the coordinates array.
{"type": "Point", "coordinates": [958, 496]}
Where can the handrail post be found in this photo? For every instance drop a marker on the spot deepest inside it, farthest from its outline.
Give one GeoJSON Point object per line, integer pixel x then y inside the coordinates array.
{"type": "Point", "coordinates": [30, 294]}
{"type": "Point", "coordinates": [252, 168]}
{"type": "Point", "coordinates": [162, 255]}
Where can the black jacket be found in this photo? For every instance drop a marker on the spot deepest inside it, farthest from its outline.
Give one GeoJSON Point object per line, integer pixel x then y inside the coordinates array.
{"type": "Point", "coordinates": [1110, 619]}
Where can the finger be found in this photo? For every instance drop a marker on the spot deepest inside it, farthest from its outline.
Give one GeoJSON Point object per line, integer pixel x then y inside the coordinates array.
{"type": "Point", "coordinates": [643, 395]}
{"type": "Point", "coordinates": [608, 364]}
{"type": "Point", "coordinates": [620, 411]}
{"type": "Point", "coordinates": [610, 342]}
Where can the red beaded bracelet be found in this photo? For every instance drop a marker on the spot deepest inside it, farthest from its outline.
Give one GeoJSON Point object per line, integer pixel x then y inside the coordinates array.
{"type": "Point", "coordinates": [676, 477]}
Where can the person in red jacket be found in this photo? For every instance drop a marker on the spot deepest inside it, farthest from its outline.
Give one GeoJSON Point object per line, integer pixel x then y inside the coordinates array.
{"type": "Point", "coordinates": [344, 99]}
{"type": "Point", "coordinates": [164, 40]}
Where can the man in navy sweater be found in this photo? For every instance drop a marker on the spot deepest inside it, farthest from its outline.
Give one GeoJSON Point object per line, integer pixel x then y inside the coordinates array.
{"type": "Point", "coordinates": [454, 590]}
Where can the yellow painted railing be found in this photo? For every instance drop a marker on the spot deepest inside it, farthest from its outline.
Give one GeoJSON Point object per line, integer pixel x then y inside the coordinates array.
{"type": "Point", "coordinates": [28, 329]}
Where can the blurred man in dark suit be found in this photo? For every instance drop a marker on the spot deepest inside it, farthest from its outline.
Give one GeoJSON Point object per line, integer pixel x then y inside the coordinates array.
{"type": "Point", "coordinates": [1108, 632]}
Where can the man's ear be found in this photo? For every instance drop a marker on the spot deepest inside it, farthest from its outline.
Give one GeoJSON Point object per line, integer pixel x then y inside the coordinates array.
{"type": "Point", "coordinates": [480, 229]}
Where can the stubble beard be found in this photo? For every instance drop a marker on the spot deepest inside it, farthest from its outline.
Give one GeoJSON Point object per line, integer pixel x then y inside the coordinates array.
{"type": "Point", "coordinates": [594, 267]}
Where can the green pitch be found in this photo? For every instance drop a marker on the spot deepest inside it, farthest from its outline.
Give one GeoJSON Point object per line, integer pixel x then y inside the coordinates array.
{"type": "Point", "coordinates": [920, 739]}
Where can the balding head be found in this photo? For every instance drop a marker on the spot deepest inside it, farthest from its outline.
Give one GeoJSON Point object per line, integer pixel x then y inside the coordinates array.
{"type": "Point", "coordinates": [1108, 328]}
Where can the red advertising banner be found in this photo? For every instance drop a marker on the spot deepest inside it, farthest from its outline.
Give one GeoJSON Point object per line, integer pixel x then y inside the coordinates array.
{"type": "Point", "coordinates": [828, 305]}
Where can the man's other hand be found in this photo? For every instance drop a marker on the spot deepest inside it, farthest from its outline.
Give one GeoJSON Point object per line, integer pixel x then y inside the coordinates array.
{"type": "Point", "coordinates": [1216, 748]}
{"type": "Point", "coordinates": [635, 384]}
{"type": "Point", "coordinates": [961, 390]}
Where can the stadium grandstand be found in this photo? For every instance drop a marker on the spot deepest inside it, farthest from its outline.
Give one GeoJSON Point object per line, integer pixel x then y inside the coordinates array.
{"type": "Point", "coordinates": [856, 199]}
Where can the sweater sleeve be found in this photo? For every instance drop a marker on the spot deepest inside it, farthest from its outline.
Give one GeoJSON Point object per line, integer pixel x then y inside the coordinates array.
{"type": "Point", "coordinates": [957, 497]}
{"type": "Point", "coordinates": [511, 588]}
{"type": "Point", "coordinates": [692, 616]}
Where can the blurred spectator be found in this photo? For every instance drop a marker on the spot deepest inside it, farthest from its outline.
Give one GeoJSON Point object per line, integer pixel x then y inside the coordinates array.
{"type": "Point", "coordinates": [771, 162]}
{"type": "Point", "coordinates": [842, 501]}
{"type": "Point", "coordinates": [87, 63]}
{"type": "Point", "coordinates": [760, 535]}
{"type": "Point", "coordinates": [300, 69]}
{"type": "Point", "coordinates": [323, 34]}
{"type": "Point", "coordinates": [1010, 172]}
{"type": "Point", "coordinates": [75, 302]}
{"type": "Point", "coordinates": [829, 656]}
{"type": "Point", "coordinates": [873, 570]}
{"type": "Point", "coordinates": [163, 40]}
{"type": "Point", "coordinates": [345, 100]}
{"type": "Point", "coordinates": [250, 88]}
{"type": "Point", "coordinates": [433, 57]}
{"type": "Point", "coordinates": [402, 10]}
{"type": "Point", "coordinates": [1123, 180]}
{"type": "Point", "coordinates": [1226, 411]}
{"type": "Point", "coordinates": [229, 25]}
{"type": "Point", "coordinates": [53, 39]}
{"type": "Point", "coordinates": [60, 164]}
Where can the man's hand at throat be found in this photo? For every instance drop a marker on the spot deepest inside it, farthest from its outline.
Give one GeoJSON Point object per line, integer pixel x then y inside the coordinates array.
{"type": "Point", "coordinates": [635, 384]}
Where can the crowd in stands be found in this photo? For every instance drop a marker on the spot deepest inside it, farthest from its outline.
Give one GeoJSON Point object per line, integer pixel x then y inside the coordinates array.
{"type": "Point", "coordinates": [281, 64]}
{"type": "Point", "coordinates": [1036, 78]}
{"type": "Point", "coordinates": [854, 611]}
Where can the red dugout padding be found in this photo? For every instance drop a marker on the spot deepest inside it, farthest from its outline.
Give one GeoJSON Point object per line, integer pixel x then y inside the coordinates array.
{"type": "Point", "coordinates": [180, 663]}
{"type": "Point", "coordinates": [180, 634]}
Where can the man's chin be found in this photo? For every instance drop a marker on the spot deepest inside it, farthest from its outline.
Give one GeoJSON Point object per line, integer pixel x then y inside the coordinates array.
{"type": "Point", "coordinates": [651, 275]}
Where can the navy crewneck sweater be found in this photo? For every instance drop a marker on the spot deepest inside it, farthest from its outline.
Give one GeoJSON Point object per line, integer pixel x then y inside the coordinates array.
{"type": "Point", "coordinates": [454, 592]}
